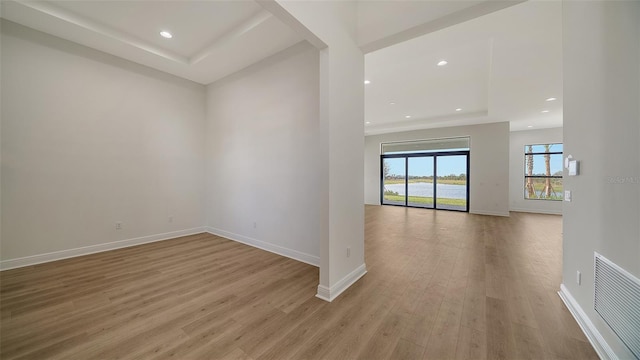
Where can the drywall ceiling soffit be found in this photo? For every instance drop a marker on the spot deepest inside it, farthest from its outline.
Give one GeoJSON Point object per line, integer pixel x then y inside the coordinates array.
{"type": "Point", "coordinates": [211, 39]}
{"type": "Point", "coordinates": [408, 88]}
{"type": "Point", "coordinates": [475, 118]}
{"type": "Point", "coordinates": [385, 23]}
{"type": "Point", "coordinates": [501, 67]}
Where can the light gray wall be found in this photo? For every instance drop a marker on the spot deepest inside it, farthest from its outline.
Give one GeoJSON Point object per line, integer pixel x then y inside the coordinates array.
{"type": "Point", "coordinates": [341, 67]}
{"type": "Point", "coordinates": [518, 140]}
{"type": "Point", "coordinates": [88, 140]}
{"type": "Point", "coordinates": [601, 130]}
{"type": "Point", "coordinates": [489, 164]}
{"type": "Point", "coordinates": [262, 161]}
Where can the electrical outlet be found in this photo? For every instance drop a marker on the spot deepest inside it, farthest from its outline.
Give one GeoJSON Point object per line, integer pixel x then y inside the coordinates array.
{"type": "Point", "coordinates": [170, 219]}
{"type": "Point", "coordinates": [255, 225]}
{"type": "Point", "coordinates": [348, 252]}
{"type": "Point", "coordinates": [567, 195]}
{"type": "Point", "coordinates": [578, 277]}
{"type": "Point", "coordinates": [118, 225]}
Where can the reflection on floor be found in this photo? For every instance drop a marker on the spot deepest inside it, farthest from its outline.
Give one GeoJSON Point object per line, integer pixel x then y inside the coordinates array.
{"type": "Point", "coordinates": [441, 285]}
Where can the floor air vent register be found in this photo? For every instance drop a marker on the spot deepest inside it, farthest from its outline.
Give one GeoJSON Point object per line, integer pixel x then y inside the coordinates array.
{"type": "Point", "coordinates": [617, 300]}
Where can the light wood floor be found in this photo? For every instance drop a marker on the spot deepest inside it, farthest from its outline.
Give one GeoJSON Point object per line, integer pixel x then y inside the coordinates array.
{"type": "Point", "coordinates": [441, 285]}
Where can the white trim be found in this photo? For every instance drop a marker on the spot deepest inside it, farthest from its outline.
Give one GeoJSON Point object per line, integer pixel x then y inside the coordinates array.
{"type": "Point", "coordinates": [277, 249]}
{"type": "Point", "coordinates": [490, 213]}
{"type": "Point", "coordinates": [537, 211]}
{"type": "Point", "coordinates": [324, 293]}
{"type": "Point", "coordinates": [91, 249]}
{"type": "Point", "coordinates": [330, 294]}
{"type": "Point", "coordinates": [591, 332]}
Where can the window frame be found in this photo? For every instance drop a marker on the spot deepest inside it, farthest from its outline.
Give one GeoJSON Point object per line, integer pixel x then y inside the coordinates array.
{"type": "Point", "coordinates": [434, 155]}
{"type": "Point", "coordinates": [526, 153]}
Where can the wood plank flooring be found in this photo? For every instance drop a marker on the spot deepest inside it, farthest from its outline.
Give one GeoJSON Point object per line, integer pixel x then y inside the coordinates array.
{"type": "Point", "coordinates": [441, 285]}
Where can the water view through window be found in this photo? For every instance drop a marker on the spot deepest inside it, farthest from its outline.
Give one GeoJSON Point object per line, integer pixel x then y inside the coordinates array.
{"type": "Point", "coordinates": [423, 178]}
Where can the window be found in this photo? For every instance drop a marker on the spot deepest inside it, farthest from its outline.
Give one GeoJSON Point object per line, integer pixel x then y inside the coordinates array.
{"type": "Point", "coordinates": [425, 146]}
{"type": "Point", "coordinates": [543, 172]}
{"type": "Point", "coordinates": [426, 173]}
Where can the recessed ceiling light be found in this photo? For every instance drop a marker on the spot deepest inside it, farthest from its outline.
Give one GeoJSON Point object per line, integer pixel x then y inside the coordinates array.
{"type": "Point", "coordinates": [407, 116]}
{"type": "Point", "coordinates": [530, 126]}
{"type": "Point", "coordinates": [442, 63]}
{"type": "Point", "coordinates": [551, 99]}
{"type": "Point", "coordinates": [392, 103]}
{"type": "Point", "coordinates": [166, 34]}
{"type": "Point", "coordinates": [544, 111]}
{"type": "Point", "coordinates": [367, 122]}
{"type": "Point", "coordinates": [366, 82]}
{"type": "Point", "coordinates": [458, 109]}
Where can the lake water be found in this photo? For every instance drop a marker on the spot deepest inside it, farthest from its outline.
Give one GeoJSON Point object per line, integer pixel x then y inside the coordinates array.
{"type": "Point", "coordinates": [426, 190]}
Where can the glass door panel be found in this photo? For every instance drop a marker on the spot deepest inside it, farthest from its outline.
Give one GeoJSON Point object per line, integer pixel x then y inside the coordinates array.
{"type": "Point", "coordinates": [393, 177]}
{"type": "Point", "coordinates": [451, 182]}
{"type": "Point", "coordinates": [420, 186]}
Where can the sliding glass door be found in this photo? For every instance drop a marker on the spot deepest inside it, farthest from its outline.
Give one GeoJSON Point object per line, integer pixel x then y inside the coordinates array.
{"type": "Point", "coordinates": [433, 180]}
{"type": "Point", "coordinates": [393, 181]}
{"type": "Point", "coordinates": [452, 187]}
{"type": "Point", "coordinates": [420, 181]}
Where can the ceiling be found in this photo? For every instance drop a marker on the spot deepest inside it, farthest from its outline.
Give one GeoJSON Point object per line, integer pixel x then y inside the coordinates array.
{"type": "Point", "coordinates": [401, 20]}
{"type": "Point", "coordinates": [501, 67]}
{"type": "Point", "coordinates": [211, 39]}
{"type": "Point", "coordinates": [504, 60]}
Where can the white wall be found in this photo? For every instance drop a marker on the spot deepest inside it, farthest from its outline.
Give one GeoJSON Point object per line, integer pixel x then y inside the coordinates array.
{"type": "Point", "coordinates": [518, 140]}
{"type": "Point", "coordinates": [88, 140]}
{"type": "Point", "coordinates": [263, 162]}
{"type": "Point", "coordinates": [331, 27]}
{"type": "Point", "coordinates": [601, 129]}
{"type": "Point", "coordinates": [489, 164]}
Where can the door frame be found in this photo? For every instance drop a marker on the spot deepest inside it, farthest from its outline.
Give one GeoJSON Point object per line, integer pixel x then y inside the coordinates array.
{"type": "Point", "coordinates": [434, 155]}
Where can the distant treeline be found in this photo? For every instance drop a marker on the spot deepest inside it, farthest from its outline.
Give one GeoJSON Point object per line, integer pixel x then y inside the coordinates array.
{"type": "Point", "coordinates": [557, 173]}
{"type": "Point", "coordinates": [446, 177]}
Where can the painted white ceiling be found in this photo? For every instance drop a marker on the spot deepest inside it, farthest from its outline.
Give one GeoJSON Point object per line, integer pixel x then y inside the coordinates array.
{"type": "Point", "coordinates": [504, 59]}
{"type": "Point", "coordinates": [379, 19]}
{"type": "Point", "coordinates": [211, 39]}
{"type": "Point", "coordinates": [501, 67]}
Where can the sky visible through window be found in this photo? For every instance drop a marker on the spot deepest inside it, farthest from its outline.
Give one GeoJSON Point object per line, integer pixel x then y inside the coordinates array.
{"type": "Point", "coordinates": [447, 165]}
{"type": "Point", "coordinates": [538, 163]}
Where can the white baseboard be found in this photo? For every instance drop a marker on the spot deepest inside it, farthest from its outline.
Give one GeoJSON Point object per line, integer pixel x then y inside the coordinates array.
{"type": "Point", "coordinates": [329, 294]}
{"type": "Point", "coordinates": [537, 211]}
{"type": "Point", "coordinates": [86, 250]}
{"type": "Point", "coordinates": [490, 213]}
{"type": "Point", "coordinates": [290, 253]}
{"type": "Point", "coordinates": [324, 293]}
{"type": "Point", "coordinates": [595, 338]}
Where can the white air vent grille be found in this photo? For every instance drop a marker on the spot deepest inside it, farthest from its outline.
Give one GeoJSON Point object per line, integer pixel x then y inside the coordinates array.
{"type": "Point", "coordinates": [617, 300]}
